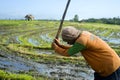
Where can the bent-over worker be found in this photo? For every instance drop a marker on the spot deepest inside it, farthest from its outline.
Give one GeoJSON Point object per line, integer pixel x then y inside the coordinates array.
{"type": "Point", "coordinates": [98, 54]}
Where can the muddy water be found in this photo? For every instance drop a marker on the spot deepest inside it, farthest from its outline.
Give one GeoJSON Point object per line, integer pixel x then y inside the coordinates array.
{"type": "Point", "coordinates": [13, 63]}
{"type": "Point", "coordinates": [33, 42]}
{"type": "Point", "coordinates": [16, 64]}
{"type": "Point", "coordinates": [115, 41]}
{"type": "Point", "coordinates": [44, 51]}
{"type": "Point", "coordinates": [69, 72]}
{"type": "Point", "coordinates": [17, 39]}
{"type": "Point", "coordinates": [46, 38]}
{"type": "Point", "coordinates": [110, 38]}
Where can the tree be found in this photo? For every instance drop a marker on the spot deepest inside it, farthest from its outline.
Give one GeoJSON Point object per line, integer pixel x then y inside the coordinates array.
{"type": "Point", "coordinates": [76, 18]}
{"type": "Point", "coordinates": [29, 17]}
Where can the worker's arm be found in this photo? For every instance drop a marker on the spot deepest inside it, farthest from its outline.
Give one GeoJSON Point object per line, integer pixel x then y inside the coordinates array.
{"type": "Point", "coordinates": [60, 45]}
{"type": "Point", "coordinates": [60, 50]}
{"type": "Point", "coordinates": [77, 47]}
{"type": "Point", "coordinates": [67, 51]}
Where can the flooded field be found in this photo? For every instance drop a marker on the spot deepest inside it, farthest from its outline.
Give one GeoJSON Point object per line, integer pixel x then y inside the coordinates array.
{"type": "Point", "coordinates": [26, 48]}
{"type": "Point", "coordinates": [14, 63]}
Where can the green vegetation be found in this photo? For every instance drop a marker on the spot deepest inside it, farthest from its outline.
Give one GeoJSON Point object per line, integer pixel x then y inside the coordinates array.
{"type": "Point", "coordinates": [9, 76]}
{"type": "Point", "coordinates": [54, 58]}
{"type": "Point", "coordinates": [115, 20]}
{"type": "Point", "coordinates": [41, 33]}
{"type": "Point", "coordinates": [27, 37]}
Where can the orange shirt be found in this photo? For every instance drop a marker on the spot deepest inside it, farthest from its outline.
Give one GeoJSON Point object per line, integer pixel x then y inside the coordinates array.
{"type": "Point", "coordinates": [99, 55]}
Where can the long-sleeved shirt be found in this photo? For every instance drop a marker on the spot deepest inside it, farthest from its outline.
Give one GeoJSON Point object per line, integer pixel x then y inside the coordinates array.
{"type": "Point", "coordinates": [99, 55]}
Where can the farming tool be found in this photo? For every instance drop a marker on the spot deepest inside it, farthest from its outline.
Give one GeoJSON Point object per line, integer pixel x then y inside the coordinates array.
{"type": "Point", "coordinates": [61, 23]}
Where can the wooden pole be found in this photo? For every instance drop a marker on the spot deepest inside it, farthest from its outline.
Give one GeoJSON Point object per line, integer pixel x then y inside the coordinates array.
{"type": "Point", "coordinates": [61, 23]}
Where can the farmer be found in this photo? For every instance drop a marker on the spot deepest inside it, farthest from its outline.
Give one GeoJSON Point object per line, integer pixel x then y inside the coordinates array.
{"type": "Point", "coordinates": [99, 55]}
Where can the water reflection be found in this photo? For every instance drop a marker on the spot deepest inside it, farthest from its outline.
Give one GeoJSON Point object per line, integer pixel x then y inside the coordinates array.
{"type": "Point", "coordinates": [46, 38]}
{"type": "Point", "coordinates": [16, 64]}
{"type": "Point", "coordinates": [33, 42]}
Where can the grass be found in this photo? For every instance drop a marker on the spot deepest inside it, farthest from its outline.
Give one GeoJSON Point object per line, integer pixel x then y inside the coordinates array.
{"type": "Point", "coordinates": [25, 30]}
{"type": "Point", "coordinates": [10, 76]}
{"type": "Point", "coordinates": [28, 51]}
{"type": "Point", "coordinates": [117, 50]}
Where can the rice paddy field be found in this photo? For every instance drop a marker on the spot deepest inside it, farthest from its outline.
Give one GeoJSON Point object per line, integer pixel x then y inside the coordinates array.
{"type": "Point", "coordinates": [26, 53]}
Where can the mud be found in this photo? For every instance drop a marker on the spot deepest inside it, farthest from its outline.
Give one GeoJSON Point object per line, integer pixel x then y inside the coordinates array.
{"type": "Point", "coordinates": [40, 51]}
{"type": "Point", "coordinates": [17, 64]}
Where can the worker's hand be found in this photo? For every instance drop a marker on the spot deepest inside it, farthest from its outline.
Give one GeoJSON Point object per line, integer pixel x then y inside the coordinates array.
{"type": "Point", "coordinates": [57, 41]}
{"type": "Point", "coordinates": [54, 45]}
{"type": "Point", "coordinates": [59, 49]}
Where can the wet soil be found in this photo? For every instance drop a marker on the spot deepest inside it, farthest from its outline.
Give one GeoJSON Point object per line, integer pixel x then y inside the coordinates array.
{"type": "Point", "coordinates": [16, 63]}
{"type": "Point", "coordinates": [36, 36]}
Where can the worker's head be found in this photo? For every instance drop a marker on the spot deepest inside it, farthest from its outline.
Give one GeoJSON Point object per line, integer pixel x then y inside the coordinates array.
{"type": "Point", "coordinates": [70, 34]}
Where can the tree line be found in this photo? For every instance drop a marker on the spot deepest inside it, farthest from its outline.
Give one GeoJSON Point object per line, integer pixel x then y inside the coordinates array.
{"type": "Point", "coordinates": [115, 20]}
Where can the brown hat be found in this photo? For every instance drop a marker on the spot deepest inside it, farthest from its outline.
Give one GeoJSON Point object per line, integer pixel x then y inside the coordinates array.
{"type": "Point", "coordinates": [70, 33]}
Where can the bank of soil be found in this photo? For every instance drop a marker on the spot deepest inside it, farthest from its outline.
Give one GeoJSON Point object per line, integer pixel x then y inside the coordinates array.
{"type": "Point", "coordinates": [37, 66]}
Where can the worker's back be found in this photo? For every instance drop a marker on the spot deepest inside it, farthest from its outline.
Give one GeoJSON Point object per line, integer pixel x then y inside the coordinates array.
{"type": "Point", "coordinates": [98, 54]}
